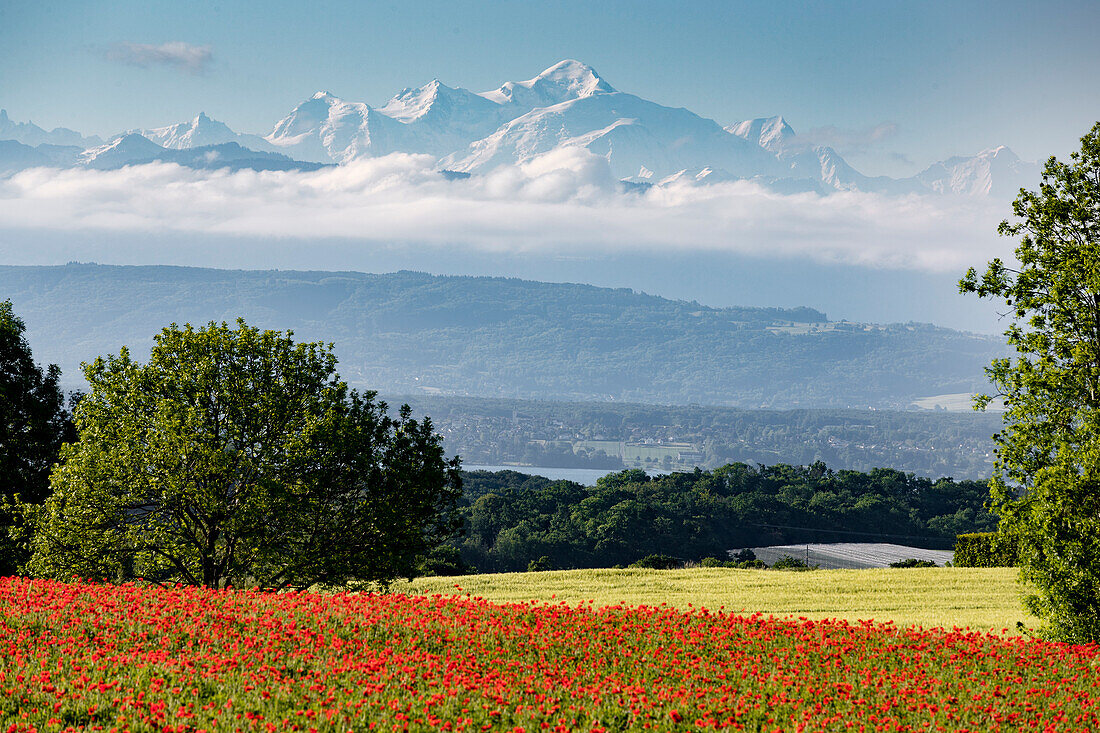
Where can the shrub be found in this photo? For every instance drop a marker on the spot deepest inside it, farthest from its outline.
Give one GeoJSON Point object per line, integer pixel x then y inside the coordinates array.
{"type": "Point", "coordinates": [792, 563]}
{"type": "Point", "coordinates": [542, 564]}
{"type": "Point", "coordinates": [745, 555]}
{"type": "Point", "coordinates": [751, 565]}
{"type": "Point", "coordinates": [658, 562]}
{"type": "Point", "coordinates": [985, 550]}
{"type": "Point", "coordinates": [740, 564]}
{"type": "Point", "coordinates": [445, 560]}
{"type": "Point", "coordinates": [913, 562]}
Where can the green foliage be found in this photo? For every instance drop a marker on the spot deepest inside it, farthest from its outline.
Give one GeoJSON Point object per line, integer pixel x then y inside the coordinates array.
{"type": "Point", "coordinates": [33, 426]}
{"type": "Point", "coordinates": [751, 565]}
{"type": "Point", "coordinates": [1046, 486]}
{"type": "Point", "coordinates": [744, 560]}
{"type": "Point", "coordinates": [658, 562]}
{"type": "Point", "coordinates": [542, 564]}
{"type": "Point", "coordinates": [745, 555]}
{"type": "Point", "coordinates": [913, 562]}
{"type": "Point", "coordinates": [985, 550]}
{"type": "Point", "coordinates": [444, 560]}
{"type": "Point", "coordinates": [792, 563]}
{"type": "Point", "coordinates": [514, 518]}
{"type": "Point", "coordinates": [713, 562]}
{"type": "Point", "coordinates": [238, 456]}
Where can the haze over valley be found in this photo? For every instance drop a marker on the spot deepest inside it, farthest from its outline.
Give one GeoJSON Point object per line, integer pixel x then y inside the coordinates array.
{"type": "Point", "coordinates": [720, 215]}
{"type": "Point", "coordinates": [591, 355]}
{"type": "Point", "coordinates": [411, 332]}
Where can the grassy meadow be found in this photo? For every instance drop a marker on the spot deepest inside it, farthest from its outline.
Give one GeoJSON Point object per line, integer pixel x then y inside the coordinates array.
{"type": "Point", "coordinates": [983, 599]}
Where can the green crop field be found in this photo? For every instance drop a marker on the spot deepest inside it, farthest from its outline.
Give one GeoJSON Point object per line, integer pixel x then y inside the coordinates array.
{"type": "Point", "coordinates": [985, 599]}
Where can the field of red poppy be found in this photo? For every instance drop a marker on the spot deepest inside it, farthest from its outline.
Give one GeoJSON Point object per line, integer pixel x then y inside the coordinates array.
{"type": "Point", "coordinates": [100, 657]}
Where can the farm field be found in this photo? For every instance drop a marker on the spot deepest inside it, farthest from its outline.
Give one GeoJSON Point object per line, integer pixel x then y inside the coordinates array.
{"type": "Point", "coordinates": [76, 657]}
{"type": "Point", "coordinates": [983, 599]}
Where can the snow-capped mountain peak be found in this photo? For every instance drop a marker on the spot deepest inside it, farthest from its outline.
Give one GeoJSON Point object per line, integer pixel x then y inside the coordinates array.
{"type": "Point", "coordinates": [439, 100]}
{"type": "Point", "coordinates": [439, 119]}
{"type": "Point", "coordinates": [565, 80]}
{"type": "Point", "coordinates": [567, 106]}
{"type": "Point", "coordinates": [305, 117]}
{"type": "Point", "coordinates": [575, 78]}
{"type": "Point", "coordinates": [770, 133]}
{"type": "Point", "coordinates": [326, 129]}
{"type": "Point", "coordinates": [31, 134]}
{"type": "Point", "coordinates": [120, 151]}
{"type": "Point", "coordinates": [304, 120]}
{"type": "Point", "coordinates": [1001, 151]}
{"type": "Point", "coordinates": [995, 172]}
{"type": "Point", "coordinates": [410, 104]}
{"type": "Point", "coordinates": [200, 131]}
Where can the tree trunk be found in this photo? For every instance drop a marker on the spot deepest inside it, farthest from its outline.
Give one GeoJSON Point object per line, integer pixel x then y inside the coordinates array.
{"type": "Point", "coordinates": [210, 575]}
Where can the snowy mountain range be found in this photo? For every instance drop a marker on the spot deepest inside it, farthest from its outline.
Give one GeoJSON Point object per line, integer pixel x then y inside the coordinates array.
{"type": "Point", "coordinates": [566, 106]}
{"type": "Point", "coordinates": [200, 132]}
{"type": "Point", "coordinates": [28, 133]}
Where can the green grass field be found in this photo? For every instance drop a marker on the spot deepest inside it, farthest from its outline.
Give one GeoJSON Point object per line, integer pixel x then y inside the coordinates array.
{"type": "Point", "coordinates": [985, 599]}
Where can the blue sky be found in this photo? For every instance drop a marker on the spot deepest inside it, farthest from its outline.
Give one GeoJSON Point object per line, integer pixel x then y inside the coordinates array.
{"type": "Point", "coordinates": [894, 86]}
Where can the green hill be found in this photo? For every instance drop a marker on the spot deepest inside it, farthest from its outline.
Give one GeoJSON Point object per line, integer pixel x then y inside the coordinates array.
{"type": "Point", "coordinates": [413, 333]}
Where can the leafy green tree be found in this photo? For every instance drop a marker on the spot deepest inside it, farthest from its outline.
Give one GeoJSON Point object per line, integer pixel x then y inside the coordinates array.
{"type": "Point", "coordinates": [33, 425]}
{"type": "Point", "coordinates": [445, 560]}
{"type": "Point", "coordinates": [541, 564]}
{"type": "Point", "coordinates": [1046, 485]}
{"type": "Point", "coordinates": [235, 456]}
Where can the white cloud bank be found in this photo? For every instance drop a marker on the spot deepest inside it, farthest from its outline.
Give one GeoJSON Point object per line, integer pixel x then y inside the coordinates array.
{"type": "Point", "coordinates": [564, 203]}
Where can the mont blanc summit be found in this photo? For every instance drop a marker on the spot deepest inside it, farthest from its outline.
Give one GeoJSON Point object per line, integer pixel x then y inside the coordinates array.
{"type": "Point", "coordinates": [569, 105]}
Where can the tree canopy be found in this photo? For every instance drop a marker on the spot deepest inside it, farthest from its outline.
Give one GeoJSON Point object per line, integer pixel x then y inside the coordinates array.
{"type": "Point", "coordinates": [1046, 486]}
{"type": "Point", "coordinates": [515, 519]}
{"type": "Point", "coordinates": [236, 456]}
{"type": "Point", "coordinates": [33, 425]}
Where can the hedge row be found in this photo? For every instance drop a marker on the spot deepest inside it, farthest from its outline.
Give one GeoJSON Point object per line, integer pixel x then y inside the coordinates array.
{"type": "Point", "coordinates": [985, 550]}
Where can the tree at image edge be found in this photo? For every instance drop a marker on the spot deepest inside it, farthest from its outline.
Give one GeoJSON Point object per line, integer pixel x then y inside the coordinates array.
{"type": "Point", "coordinates": [1046, 484]}
{"type": "Point", "coordinates": [33, 425]}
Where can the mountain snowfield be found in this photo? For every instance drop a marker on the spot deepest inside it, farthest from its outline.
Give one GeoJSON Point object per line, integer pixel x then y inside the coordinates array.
{"type": "Point", "coordinates": [567, 106]}
{"type": "Point", "coordinates": [199, 132]}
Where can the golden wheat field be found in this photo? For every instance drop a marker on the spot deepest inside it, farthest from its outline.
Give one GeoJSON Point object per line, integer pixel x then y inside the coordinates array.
{"type": "Point", "coordinates": [983, 599]}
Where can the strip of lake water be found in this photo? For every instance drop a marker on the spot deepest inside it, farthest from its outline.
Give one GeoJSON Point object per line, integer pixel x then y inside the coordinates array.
{"type": "Point", "coordinates": [585, 476]}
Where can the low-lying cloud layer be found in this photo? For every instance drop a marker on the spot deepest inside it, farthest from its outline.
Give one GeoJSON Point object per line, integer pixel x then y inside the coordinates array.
{"type": "Point", "coordinates": [564, 203]}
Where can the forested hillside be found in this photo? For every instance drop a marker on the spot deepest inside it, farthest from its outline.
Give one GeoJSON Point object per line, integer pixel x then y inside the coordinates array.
{"type": "Point", "coordinates": [514, 518]}
{"type": "Point", "coordinates": [411, 332]}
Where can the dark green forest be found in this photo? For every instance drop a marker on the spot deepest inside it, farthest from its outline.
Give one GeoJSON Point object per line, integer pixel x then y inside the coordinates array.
{"type": "Point", "coordinates": [514, 519]}
{"type": "Point", "coordinates": [414, 333]}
